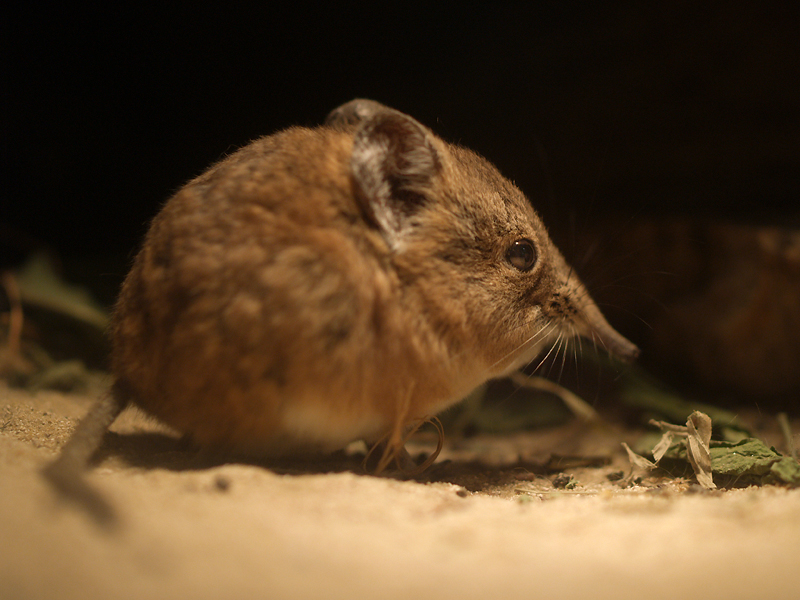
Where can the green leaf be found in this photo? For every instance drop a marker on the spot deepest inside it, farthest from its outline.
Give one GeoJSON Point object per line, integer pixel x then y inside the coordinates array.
{"type": "Point", "coordinates": [753, 459]}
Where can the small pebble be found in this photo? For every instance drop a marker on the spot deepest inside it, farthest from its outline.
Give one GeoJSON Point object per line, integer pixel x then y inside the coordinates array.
{"type": "Point", "coordinates": [562, 480]}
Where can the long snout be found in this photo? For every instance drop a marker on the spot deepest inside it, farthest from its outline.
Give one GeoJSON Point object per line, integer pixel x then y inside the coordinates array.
{"type": "Point", "coordinates": [593, 326]}
{"type": "Point", "coordinates": [618, 346]}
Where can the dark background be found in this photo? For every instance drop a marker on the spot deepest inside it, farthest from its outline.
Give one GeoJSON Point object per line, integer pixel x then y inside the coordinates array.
{"type": "Point", "coordinates": [671, 107]}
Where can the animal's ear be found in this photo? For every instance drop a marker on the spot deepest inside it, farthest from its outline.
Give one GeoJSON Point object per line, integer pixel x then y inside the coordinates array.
{"type": "Point", "coordinates": [393, 164]}
{"type": "Point", "coordinates": [355, 112]}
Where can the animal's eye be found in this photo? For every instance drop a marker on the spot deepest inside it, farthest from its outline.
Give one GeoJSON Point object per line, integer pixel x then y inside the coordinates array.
{"type": "Point", "coordinates": [522, 255]}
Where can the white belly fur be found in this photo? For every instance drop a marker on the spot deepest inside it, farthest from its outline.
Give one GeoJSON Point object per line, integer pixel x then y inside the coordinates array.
{"type": "Point", "coordinates": [322, 427]}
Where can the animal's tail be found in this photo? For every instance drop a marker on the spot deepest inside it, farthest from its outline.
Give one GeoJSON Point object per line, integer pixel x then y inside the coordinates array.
{"type": "Point", "coordinates": [66, 473]}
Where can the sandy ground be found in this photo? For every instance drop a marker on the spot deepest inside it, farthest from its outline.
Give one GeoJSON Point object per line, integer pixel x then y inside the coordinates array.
{"type": "Point", "coordinates": [485, 523]}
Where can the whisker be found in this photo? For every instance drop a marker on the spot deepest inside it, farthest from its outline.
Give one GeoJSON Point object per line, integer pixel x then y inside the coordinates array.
{"type": "Point", "coordinates": [608, 266]}
{"type": "Point", "coordinates": [544, 330]}
{"type": "Point", "coordinates": [576, 346]}
{"type": "Point", "coordinates": [646, 295]}
{"type": "Point", "coordinates": [541, 362]}
{"type": "Point", "coordinates": [559, 351]}
{"type": "Point", "coordinates": [556, 344]}
{"type": "Point", "coordinates": [629, 312]}
{"type": "Point", "coordinates": [563, 359]}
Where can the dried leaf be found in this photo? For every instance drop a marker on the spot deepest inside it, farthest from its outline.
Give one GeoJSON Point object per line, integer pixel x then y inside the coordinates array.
{"type": "Point", "coordinates": [699, 424]}
{"type": "Point", "coordinates": [637, 460]}
{"type": "Point", "coordinates": [697, 445]}
{"type": "Point", "coordinates": [663, 445]}
{"type": "Point", "coordinates": [664, 426]}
